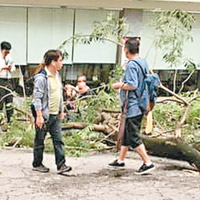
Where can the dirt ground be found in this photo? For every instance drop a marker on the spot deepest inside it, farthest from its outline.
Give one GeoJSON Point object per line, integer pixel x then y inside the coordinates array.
{"type": "Point", "coordinates": [91, 179]}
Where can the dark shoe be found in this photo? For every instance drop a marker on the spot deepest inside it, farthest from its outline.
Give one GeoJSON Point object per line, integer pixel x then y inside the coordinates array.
{"type": "Point", "coordinates": [116, 164]}
{"type": "Point", "coordinates": [41, 168]}
{"type": "Point", "coordinates": [64, 168]}
{"type": "Point", "coordinates": [145, 133]}
{"type": "Point", "coordinates": [144, 169]}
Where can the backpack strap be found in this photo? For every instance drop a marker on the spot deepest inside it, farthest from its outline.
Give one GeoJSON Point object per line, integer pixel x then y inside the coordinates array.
{"type": "Point", "coordinates": [144, 74]}
{"type": "Point", "coordinates": [43, 71]}
{"type": "Point", "coordinates": [141, 68]}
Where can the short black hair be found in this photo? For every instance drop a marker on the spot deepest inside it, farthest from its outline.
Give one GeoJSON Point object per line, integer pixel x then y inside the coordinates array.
{"type": "Point", "coordinates": [50, 55]}
{"type": "Point", "coordinates": [132, 45]}
{"type": "Point", "coordinates": [5, 45]}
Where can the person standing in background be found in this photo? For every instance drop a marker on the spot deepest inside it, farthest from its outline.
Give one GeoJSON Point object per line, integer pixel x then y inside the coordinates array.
{"type": "Point", "coordinates": [6, 67]}
{"type": "Point", "coordinates": [82, 86]}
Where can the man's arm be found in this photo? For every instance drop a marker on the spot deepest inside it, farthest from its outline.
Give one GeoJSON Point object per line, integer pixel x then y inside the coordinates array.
{"type": "Point", "coordinates": [131, 78]}
{"type": "Point", "coordinates": [61, 108]}
{"type": "Point", "coordinates": [38, 93]}
{"type": "Point", "coordinates": [6, 68]}
{"type": "Point", "coordinates": [9, 64]}
{"type": "Point", "coordinates": [122, 86]}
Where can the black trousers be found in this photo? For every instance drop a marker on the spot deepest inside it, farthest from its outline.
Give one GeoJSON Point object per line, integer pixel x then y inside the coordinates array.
{"type": "Point", "coordinates": [54, 127]}
{"type": "Point", "coordinates": [6, 97]}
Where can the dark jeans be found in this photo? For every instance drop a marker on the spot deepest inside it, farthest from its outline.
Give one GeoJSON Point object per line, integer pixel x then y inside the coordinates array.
{"type": "Point", "coordinates": [54, 127]}
{"type": "Point", "coordinates": [6, 97]}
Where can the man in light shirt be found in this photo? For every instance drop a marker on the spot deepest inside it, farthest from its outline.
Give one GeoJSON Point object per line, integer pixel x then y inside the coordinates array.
{"type": "Point", "coordinates": [48, 106]}
{"type": "Point", "coordinates": [6, 67]}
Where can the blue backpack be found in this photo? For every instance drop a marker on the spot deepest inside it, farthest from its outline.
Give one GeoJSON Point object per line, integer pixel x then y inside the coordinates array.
{"type": "Point", "coordinates": [150, 84]}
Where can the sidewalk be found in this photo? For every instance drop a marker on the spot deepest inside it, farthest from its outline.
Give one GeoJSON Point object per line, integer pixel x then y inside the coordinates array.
{"type": "Point", "coordinates": [92, 180]}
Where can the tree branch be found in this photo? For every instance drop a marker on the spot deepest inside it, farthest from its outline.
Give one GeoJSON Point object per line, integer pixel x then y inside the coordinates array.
{"type": "Point", "coordinates": [183, 83]}
{"type": "Point", "coordinates": [174, 94]}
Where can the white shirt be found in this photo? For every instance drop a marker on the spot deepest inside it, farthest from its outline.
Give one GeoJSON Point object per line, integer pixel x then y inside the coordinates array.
{"type": "Point", "coordinates": [3, 62]}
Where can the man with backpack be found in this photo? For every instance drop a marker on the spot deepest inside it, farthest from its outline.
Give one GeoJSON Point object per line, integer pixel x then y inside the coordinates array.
{"type": "Point", "coordinates": [132, 87]}
{"type": "Point", "coordinates": [47, 109]}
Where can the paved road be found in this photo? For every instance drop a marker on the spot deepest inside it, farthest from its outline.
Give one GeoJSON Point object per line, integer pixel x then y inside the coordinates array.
{"type": "Point", "coordinates": [92, 180]}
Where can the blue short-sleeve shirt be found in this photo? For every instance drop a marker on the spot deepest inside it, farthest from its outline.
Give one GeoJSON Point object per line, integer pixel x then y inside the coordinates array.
{"type": "Point", "coordinates": [134, 77]}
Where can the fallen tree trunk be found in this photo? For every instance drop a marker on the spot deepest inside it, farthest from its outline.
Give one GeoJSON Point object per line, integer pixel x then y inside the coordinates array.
{"type": "Point", "coordinates": [172, 148]}
{"type": "Point", "coordinates": [80, 125]}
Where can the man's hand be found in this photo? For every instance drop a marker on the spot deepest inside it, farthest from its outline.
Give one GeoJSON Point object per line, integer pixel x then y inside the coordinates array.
{"type": "Point", "coordinates": [62, 115]}
{"type": "Point", "coordinates": [117, 85]}
{"type": "Point", "coordinates": [39, 121]}
{"type": "Point", "coordinates": [9, 67]}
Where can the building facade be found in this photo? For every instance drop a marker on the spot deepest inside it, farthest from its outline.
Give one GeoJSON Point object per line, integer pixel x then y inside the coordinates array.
{"type": "Point", "coordinates": [34, 27]}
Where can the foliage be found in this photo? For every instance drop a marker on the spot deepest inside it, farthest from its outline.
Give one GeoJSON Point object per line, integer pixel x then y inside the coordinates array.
{"type": "Point", "coordinates": [174, 28]}
{"type": "Point", "coordinates": [111, 29]}
{"type": "Point", "coordinates": [90, 107]}
{"type": "Point", "coordinates": [79, 142]}
{"type": "Point", "coordinates": [104, 97]}
{"type": "Point", "coordinates": [116, 74]}
{"type": "Point", "coordinates": [194, 114]}
{"type": "Point", "coordinates": [21, 131]}
{"type": "Point", "coordinates": [83, 141]}
{"type": "Point", "coordinates": [189, 65]}
{"type": "Point", "coordinates": [167, 115]}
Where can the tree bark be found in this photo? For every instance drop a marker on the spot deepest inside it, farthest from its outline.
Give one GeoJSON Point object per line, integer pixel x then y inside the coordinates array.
{"type": "Point", "coordinates": [80, 125]}
{"type": "Point", "coordinates": [172, 148]}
